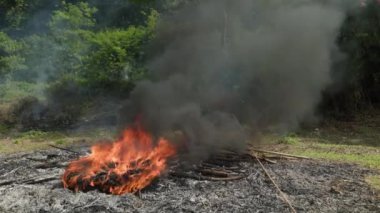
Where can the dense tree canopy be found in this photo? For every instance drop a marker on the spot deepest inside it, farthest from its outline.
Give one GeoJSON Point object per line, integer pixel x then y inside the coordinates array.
{"type": "Point", "coordinates": [101, 44]}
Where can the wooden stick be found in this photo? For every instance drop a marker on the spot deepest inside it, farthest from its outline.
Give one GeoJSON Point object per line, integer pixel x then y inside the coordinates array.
{"type": "Point", "coordinates": [33, 180]}
{"type": "Point", "coordinates": [8, 173]}
{"type": "Point", "coordinates": [6, 182]}
{"type": "Point", "coordinates": [65, 149]}
{"type": "Point", "coordinates": [231, 178]}
{"type": "Point", "coordinates": [201, 177]}
{"type": "Point", "coordinates": [36, 181]}
{"type": "Point", "coordinates": [138, 194]}
{"type": "Point", "coordinates": [51, 165]}
{"type": "Point", "coordinates": [280, 153]}
{"type": "Point", "coordinates": [213, 172]}
{"type": "Point", "coordinates": [270, 161]}
{"type": "Point", "coordinates": [282, 194]}
{"type": "Point", "coordinates": [265, 156]}
{"type": "Point", "coordinates": [88, 205]}
{"type": "Point", "coordinates": [37, 160]}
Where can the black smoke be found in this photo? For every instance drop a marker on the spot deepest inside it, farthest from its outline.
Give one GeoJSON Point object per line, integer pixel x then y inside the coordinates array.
{"type": "Point", "coordinates": [220, 68]}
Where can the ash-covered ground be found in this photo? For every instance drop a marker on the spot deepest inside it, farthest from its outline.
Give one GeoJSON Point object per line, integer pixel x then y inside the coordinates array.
{"type": "Point", "coordinates": [29, 182]}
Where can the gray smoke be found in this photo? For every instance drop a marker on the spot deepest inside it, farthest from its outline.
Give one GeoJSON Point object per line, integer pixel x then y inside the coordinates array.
{"type": "Point", "coordinates": [220, 68]}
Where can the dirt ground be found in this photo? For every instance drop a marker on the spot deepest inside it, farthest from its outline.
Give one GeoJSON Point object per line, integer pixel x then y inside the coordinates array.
{"type": "Point", "coordinates": [29, 182]}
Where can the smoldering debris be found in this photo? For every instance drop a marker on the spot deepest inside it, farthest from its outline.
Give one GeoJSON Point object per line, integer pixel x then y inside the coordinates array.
{"type": "Point", "coordinates": [311, 186]}
{"type": "Point", "coordinates": [220, 66]}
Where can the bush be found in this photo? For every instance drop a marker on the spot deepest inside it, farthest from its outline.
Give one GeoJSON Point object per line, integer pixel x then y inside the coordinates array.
{"type": "Point", "coordinates": [116, 56]}
{"type": "Point", "coordinates": [16, 90]}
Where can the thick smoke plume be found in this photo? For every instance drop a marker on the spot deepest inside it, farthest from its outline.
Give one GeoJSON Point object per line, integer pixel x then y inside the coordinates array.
{"type": "Point", "coordinates": [219, 67]}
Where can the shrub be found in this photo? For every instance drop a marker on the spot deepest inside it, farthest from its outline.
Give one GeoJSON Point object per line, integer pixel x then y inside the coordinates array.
{"type": "Point", "coordinates": [116, 56]}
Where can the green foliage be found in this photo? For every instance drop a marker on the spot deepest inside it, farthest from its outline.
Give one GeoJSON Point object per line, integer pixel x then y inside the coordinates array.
{"type": "Point", "coordinates": [69, 36]}
{"type": "Point", "coordinates": [15, 15]}
{"type": "Point", "coordinates": [60, 52]}
{"type": "Point", "coordinates": [74, 51]}
{"type": "Point", "coordinates": [73, 17]}
{"type": "Point", "coordinates": [14, 12]}
{"type": "Point", "coordinates": [10, 58]}
{"type": "Point", "coordinates": [74, 46]}
{"type": "Point", "coordinates": [104, 58]}
{"type": "Point", "coordinates": [114, 55]}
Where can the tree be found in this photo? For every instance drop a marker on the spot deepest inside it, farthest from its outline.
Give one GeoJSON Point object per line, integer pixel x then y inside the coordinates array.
{"type": "Point", "coordinates": [359, 39]}
{"type": "Point", "coordinates": [10, 58]}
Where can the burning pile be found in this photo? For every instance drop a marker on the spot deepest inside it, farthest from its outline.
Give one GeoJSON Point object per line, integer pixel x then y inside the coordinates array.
{"type": "Point", "coordinates": [125, 166]}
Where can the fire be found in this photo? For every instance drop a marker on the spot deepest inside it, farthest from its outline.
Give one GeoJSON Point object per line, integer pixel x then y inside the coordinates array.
{"type": "Point", "coordinates": [124, 166]}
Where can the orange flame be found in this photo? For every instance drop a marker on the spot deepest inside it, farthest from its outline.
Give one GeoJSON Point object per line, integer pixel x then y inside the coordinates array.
{"type": "Point", "coordinates": [125, 166]}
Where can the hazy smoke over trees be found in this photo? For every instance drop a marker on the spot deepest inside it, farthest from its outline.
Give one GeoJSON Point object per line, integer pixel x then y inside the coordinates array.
{"type": "Point", "coordinates": [218, 66]}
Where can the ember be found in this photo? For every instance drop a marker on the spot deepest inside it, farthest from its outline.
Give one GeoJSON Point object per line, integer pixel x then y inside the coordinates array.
{"type": "Point", "coordinates": [125, 166]}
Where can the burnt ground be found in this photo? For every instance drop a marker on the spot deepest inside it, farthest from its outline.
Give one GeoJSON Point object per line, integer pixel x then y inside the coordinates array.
{"type": "Point", "coordinates": [29, 182]}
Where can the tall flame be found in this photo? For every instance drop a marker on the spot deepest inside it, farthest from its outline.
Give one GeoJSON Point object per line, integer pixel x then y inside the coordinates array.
{"type": "Point", "coordinates": [124, 166]}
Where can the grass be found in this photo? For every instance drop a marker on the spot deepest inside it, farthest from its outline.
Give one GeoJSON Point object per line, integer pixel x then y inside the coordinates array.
{"type": "Point", "coordinates": [356, 142]}
{"type": "Point", "coordinates": [30, 140]}
{"type": "Point", "coordinates": [290, 140]}
{"type": "Point", "coordinates": [60, 142]}
{"type": "Point", "coordinates": [374, 181]}
{"type": "Point", "coordinates": [14, 145]}
{"type": "Point", "coordinates": [321, 148]}
{"type": "Point", "coordinates": [366, 156]}
{"type": "Point", "coordinates": [37, 140]}
{"type": "Point", "coordinates": [36, 135]}
{"type": "Point", "coordinates": [346, 154]}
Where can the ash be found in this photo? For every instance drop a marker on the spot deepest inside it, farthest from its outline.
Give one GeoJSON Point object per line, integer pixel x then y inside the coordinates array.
{"type": "Point", "coordinates": [30, 182]}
